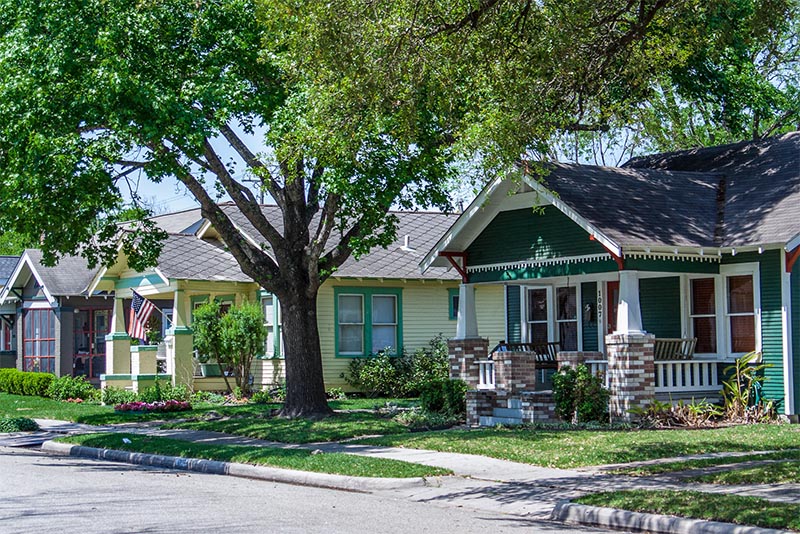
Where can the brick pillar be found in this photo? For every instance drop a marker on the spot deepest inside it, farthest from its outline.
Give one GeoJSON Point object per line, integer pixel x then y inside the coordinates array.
{"type": "Point", "coordinates": [515, 371]}
{"type": "Point", "coordinates": [464, 353]}
{"type": "Point", "coordinates": [574, 358]}
{"type": "Point", "coordinates": [631, 373]}
{"type": "Point", "coordinates": [480, 403]}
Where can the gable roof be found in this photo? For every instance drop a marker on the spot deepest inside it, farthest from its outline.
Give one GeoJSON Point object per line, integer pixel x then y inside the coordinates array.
{"type": "Point", "coordinates": [69, 277]}
{"type": "Point", "coordinates": [398, 261]}
{"type": "Point", "coordinates": [744, 194]}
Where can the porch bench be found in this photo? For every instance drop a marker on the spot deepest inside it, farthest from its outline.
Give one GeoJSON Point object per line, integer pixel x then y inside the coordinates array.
{"type": "Point", "coordinates": [545, 356]}
{"type": "Point", "coordinates": [674, 348]}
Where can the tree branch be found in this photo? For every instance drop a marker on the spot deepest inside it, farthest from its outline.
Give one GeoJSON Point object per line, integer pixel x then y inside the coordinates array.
{"type": "Point", "coordinates": [274, 188]}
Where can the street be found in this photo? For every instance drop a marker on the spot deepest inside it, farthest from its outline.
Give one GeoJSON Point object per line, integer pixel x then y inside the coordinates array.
{"type": "Point", "coordinates": [42, 493]}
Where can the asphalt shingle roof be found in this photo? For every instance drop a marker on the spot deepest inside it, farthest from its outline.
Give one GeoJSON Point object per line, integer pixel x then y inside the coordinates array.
{"type": "Point", "coordinates": [7, 265]}
{"type": "Point", "coordinates": [185, 257]}
{"type": "Point", "coordinates": [727, 196]}
{"type": "Point", "coordinates": [179, 222]}
{"type": "Point", "coordinates": [70, 276]}
{"type": "Point", "coordinates": [396, 261]}
{"type": "Point", "coordinates": [760, 185]}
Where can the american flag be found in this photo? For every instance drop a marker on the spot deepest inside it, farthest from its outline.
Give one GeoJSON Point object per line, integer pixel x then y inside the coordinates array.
{"type": "Point", "coordinates": [141, 308]}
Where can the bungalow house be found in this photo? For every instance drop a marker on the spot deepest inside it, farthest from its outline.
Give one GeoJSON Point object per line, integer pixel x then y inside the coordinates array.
{"type": "Point", "coordinates": [58, 328]}
{"type": "Point", "coordinates": [662, 271]}
{"type": "Point", "coordinates": [8, 341]}
{"type": "Point", "coordinates": [378, 301]}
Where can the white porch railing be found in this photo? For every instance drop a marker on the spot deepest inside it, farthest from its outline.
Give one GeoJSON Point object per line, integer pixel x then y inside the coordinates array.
{"type": "Point", "coordinates": [598, 368]}
{"type": "Point", "coordinates": [486, 374]}
{"type": "Point", "coordinates": [687, 376]}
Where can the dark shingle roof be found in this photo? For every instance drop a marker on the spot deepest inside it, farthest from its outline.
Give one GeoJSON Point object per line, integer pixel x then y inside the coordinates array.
{"type": "Point", "coordinates": [760, 185]}
{"type": "Point", "coordinates": [396, 261]}
{"type": "Point", "coordinates": [185, 257]}
{"type": "Point", "coordinates": [70, 276]}
{"type": "Point", "coordinates": [640, 206]}
{"type": "Point", "coordinates": [7, 264]}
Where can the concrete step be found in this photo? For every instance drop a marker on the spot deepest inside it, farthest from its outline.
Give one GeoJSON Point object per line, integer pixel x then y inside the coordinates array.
{"type": "Point", "coordinates": [515, 404]}
{"type": "Point", "coordinates": [492, 421]}
{"type": "Point", "coordinates": [515, 413]}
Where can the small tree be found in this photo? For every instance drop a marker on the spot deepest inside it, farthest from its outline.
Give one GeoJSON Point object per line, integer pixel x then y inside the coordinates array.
{"type": "Point", "coordinates": [243, 336]}
{"type": "Point", "coordinates": [207, 327]}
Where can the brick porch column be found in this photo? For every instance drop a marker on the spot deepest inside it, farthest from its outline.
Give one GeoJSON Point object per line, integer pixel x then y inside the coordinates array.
{"type": "Point", "coordinates": [463, 355]}
{"type": "Point", "coordinates": [514, 371]}
{"type": "Point", "coordinates": [631, 373]}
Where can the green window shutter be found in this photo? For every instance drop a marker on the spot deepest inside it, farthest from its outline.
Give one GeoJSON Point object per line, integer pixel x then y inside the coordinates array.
{"type": "Point", "coordinates": [513, 314]}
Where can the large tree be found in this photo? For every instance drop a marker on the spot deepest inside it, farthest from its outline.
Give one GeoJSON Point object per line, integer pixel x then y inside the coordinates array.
{"type": "Point", "coordinates": [338, 109]}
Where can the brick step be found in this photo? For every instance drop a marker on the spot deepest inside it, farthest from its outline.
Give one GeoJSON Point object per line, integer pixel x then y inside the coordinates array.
{"type": "Point", "coordinates": [515, 404]}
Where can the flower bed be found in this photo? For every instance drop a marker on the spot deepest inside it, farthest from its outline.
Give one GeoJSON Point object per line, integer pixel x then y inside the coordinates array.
{"type": "Point", "coordinates": [160, 406]}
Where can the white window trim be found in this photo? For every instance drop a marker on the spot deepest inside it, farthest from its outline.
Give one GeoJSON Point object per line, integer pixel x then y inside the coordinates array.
{"type": "Point", "coordinates": [724, 349]}
{"type": "Point", "coordinates": [740, 269]}
{"type": "Point", "coordinates": [552, 321]}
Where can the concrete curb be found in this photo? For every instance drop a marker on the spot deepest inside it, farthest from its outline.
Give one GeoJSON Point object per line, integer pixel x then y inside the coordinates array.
{"type": "Point", "coordinates": [272, 474]}
{"type": "Point", "coordinates": [622, 519]}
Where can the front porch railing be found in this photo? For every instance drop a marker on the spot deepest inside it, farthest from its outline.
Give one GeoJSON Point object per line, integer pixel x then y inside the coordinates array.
{"type": "Point", "coordinates": [486, 378]}
{"type": "Point", "coordinates": [687, 376]}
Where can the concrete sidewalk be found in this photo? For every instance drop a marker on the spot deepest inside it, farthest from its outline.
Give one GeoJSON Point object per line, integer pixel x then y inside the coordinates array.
{"type": "Point", "coordinates": [480, 482]}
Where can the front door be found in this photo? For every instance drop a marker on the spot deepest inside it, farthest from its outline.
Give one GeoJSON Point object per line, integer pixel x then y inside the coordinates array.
{"type": "Point", "coordinates": [91, 327]}
{"type": "Point", "coordinates": [612, 303]}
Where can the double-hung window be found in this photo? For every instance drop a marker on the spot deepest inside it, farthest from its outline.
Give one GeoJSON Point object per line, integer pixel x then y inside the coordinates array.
{"type": "Point", "coordinates": [367, 321]}
{"type": "Point", "coordinates": [740, 313]}
{"type": "Point", "coordinates": [273, 343]}
{"type": "Point", "coordinates": [552, 313]}
{"type": "Point", "coordinates": [704, 315]}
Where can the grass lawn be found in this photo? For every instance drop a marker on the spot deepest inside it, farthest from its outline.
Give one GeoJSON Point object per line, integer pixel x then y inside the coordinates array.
{"type": "Point", "coordinates": [773, 473]}
{"type": "Point", "coordinates": [579, 448]}
{"type": "Point", "coordinates": [301, 460]}
{"type": "Point", "coordinates": [709, 506]}
{"type": "Point", "coordinates": [335, 428]}
{"type": "Point", "coordinates": [671, 467]}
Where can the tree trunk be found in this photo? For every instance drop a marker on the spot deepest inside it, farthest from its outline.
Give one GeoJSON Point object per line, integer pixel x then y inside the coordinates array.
{"type": "Point", "coordinates": [305, 387]}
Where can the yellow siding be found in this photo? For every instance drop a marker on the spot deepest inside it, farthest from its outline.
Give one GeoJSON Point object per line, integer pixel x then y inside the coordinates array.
{"type": "Point", "coordinates": [425, 314]}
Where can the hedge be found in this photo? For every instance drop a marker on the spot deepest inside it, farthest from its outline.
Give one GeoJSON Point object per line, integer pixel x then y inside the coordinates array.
{"type": "Point", "coordinates": [25, 383]}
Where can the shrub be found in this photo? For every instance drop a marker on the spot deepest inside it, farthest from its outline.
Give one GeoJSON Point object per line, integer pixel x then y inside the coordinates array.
{"type": "Point", "coordinates": [579, 395]}
{"type": "Point", "coordinates": [68, 387]}
{"type": "Point", "coordinates": [741, 392]}
{"type": "Point", "coordinates": [207, 397]}
{"type": "Point", "coordinates": [261, 397]}
{"type": "Point", "coordinates": [243, 335]}
{"type": "Point", "coordinates": [18, 424]}
{"type": "Point", "coordinates": [336, 394]}
{"type": "Point", "coordinates": [111, 395]}
{"type": "Point", "coordinates": [25, 383]}
{"type": "Point", "coordinates": [446, 397]}
{"type": "Point", "coordinates": [417, 419]}
{"type": "Point", "coordinates": [399, 376]}
{"type": "Point", "coordinates": [692, 414]}
{"type": "Point", "coordinates": [164, 391]}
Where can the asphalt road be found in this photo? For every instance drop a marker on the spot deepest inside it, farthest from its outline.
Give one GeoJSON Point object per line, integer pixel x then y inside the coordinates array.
{"type": "Point", "coordinates": [52, 494]}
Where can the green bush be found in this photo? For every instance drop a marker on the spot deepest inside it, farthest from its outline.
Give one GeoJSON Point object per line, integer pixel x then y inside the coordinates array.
{"type": "Point", "coordinates": [18, 424]}
{"type": "Point", "coordinates": [25, 383]}
{"type": "Point", "coordinates": [68, 387]}
{"type": "Point", "coordinates": [206, 396]}
{"type": "Point", "coordinates": [579, 395]}
{"type": "Point", "coordinates": [164, 391]}
{"type": "Point", "coordinates": [382, 375]}
{"type": "Point", "coordinates": [446, 397]}
{"type": "Point", "coordinates": [112, 396]}
{"type": "Point", "coordinates": [417, 419]}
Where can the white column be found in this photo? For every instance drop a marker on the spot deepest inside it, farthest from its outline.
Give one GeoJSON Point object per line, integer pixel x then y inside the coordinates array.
{"type": "Point", "coordinates": [629, 313]}
{"type": "Point", "coordinates": [467, 326]}
{"type": "Point", "coordinates": [786, 317]}
{"type": "Point", "coordinates": [118, 316]}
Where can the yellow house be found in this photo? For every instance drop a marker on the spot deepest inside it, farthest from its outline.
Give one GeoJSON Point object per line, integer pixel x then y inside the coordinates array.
{"type": "Point", "coordinates": [379, 301]}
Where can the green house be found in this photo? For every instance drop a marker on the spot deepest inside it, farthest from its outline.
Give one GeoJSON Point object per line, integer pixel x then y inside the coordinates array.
{"type": "Point", "coordinates": [697, 247]}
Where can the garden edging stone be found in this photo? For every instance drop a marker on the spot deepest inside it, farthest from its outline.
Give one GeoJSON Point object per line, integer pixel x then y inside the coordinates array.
{"type": "Point", "coordinates": [214, 467]}
{"type": "Point", "coordinates": [582, 514]}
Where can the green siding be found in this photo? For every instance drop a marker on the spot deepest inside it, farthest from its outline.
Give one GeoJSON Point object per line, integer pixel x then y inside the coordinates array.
{"type": "Point", "coordinates": [660, 301]}
{"type": "Point", "coordinates": [672, 266]}
{"type": "Point", "coordinates": [522, 235]}
{"type": "Point", "coordinates": [589, 297]}
{"type": "Point", "coordinates": [513, 314]}
{"type": "Point", "coordinates": [796, 334]}
{"type": "Point", "coordinates": [771, 319]}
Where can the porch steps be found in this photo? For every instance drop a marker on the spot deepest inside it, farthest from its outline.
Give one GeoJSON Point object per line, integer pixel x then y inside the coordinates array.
{"type": "Point", "coordinates": [504, 416]}
{"type": "Point", "coordinates": [494, 421]}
